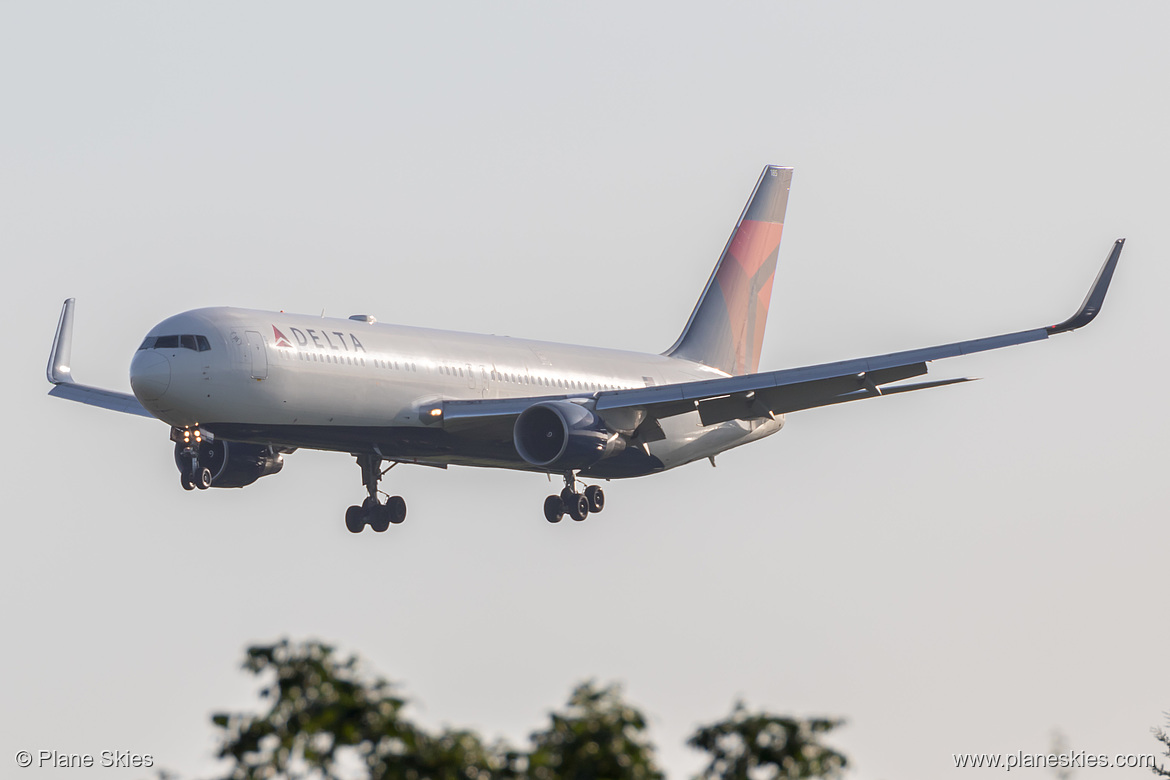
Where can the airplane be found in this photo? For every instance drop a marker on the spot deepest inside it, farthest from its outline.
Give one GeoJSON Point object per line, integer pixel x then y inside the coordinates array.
{"type": "Point", "coordinates": [242, 388]}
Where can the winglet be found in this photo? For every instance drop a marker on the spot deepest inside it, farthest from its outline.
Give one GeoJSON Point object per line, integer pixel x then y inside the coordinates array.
{"type": "Point", "coordinates": [1092, 303]}
{"type": "Point", "coordinates": [60, 373]}
{"type": "Point", "coordinates": [58, 370]}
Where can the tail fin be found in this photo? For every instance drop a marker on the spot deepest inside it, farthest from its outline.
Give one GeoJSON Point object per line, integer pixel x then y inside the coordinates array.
{"type": "Point", "coordinates": [726, 329]}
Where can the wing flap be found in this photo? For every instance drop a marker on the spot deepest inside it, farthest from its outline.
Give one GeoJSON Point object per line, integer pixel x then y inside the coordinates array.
{"type": "Point", "coordinates": [802, 395]}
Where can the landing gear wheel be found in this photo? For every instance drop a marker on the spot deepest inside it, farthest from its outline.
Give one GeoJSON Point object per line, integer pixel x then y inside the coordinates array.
{"type": "Point", "coordinates": [379, 517]}
{"type": "Point", "coordinates": [396, 509]}
{"type": "Point", "coordinates": [554, 509]}
{"type": "Point", "coordinates": [203, 478]}
{"type": "Point", "coordinates": [355, 519]}
{"type": "Point", "coordinates": [568, 495]}
{"type": "Point", "coordinates": [578, 507]}
{"type": "Point", "coordinates": [186, 481]}
{"type": "Point", "coordinates": [596, 498]}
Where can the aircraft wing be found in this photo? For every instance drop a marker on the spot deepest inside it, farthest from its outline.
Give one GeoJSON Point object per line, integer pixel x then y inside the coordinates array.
{"type": "Point", "coordinates": [60, 373]}
{"type": "Point", "coordinates": [777, 392]}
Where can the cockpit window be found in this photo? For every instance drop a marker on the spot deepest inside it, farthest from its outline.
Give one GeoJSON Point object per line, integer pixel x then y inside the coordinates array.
{"type": "Point", "coordinates": [195, 343]}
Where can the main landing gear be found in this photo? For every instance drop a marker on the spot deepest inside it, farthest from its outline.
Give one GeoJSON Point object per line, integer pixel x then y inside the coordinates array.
{"type": "Point", "coordinates": [372, 511]}
{"type": "Point", "coordinates": [570, 502]}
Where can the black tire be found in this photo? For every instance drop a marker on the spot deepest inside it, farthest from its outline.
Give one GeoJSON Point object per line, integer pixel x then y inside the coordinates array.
{"type": "Point", "coordinates": [568, 495]}
{"type": "Point", "coordinates": [379, 518]}
{"type": "Point", "coordinates": [396, 509]}
{"type": "Point", "coordinates": [203, 478]}
{"type": "Point", "coordinates": [554, 509]}
{"type": "Point", "coordinates": [596, 498]}
{"type": "Point", "coordinates": [355, 519]}
{"type": "Point", "coordinates": [579, 508]}
{"type": "Point", "coordinates": [186, 481]}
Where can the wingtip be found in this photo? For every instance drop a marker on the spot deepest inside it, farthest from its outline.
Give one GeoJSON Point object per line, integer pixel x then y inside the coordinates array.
{"type": "Point", "coordinates": [1093, 302]}
{"type": "Point", "coordinates": [59, 371]}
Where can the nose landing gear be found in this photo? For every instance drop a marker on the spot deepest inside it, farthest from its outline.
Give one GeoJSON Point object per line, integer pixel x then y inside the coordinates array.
{"type": "Point", "coordinates": [189, 445]}
{"type": "Point", "coordinates": [372, 511]}
{"type": "Point", "coordinates": [576, 505]}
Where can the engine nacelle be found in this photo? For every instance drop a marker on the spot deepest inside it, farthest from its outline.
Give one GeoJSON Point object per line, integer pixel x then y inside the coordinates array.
{"type": "Point", "coordinates": [562, 435]}
{"type": "Point", "coordinates": [232, 464]}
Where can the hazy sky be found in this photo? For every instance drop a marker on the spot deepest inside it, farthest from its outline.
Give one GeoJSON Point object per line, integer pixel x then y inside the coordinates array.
{"type": "Point", "coordinates": [962, 570]}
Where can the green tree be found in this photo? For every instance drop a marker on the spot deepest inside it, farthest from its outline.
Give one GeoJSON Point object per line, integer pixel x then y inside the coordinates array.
{"type": "Point", "coordinates": [323, 707]}
{"type": "Point", "coordinates": [1164, 737]}
{"type": "Point", "coordinates": [326, 716]}
{"type": "Point", "coordinates": [760, 746]}
{"type": "Point", "coordinates": [596, 736]}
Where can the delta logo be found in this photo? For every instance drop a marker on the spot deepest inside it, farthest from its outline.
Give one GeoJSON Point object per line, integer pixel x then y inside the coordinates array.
{"type": "Point", "coordinates": [281, 339]}
{"type": "Point", "coordinates": [314, 339]}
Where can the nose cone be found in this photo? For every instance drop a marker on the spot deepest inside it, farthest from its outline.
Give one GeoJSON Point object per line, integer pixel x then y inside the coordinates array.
{"type": "Point", "coordinates": [150, 374]}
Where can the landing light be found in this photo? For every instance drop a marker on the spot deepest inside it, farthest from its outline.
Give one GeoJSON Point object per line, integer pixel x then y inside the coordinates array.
{"type": "Point", "coordinates": [436, 412]}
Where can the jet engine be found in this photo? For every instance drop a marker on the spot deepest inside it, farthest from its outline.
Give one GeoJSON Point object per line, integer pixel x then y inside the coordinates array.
{"type": "Point", "coordinates": [232, 464]}
{"type": "Point", "coordinates": [562, 435]}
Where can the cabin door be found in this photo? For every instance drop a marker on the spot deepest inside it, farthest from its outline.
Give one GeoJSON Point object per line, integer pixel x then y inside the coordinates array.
{"type": "Point", "coordinates": [257, 354]}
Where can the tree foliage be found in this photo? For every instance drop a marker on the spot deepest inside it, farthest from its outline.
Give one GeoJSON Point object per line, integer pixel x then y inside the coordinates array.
{"type": "Point", "coordinates": [597, 735]}
{"type": "Point", "coordinates": [322, 706]}
{"type": "Point", "coordinates": [1162, 736]}
{"type": "Point", "coordinates": [760, 746]}
{"type": "Point", "coordinates": [327, 719]}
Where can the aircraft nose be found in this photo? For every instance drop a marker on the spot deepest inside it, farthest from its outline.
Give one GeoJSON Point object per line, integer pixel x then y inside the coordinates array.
{"type": "Point", "coordinates": [150, 374]}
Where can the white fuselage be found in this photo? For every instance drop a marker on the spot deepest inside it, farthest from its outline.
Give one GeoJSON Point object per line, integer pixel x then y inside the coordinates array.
{"type": "Point", "coordinates": [347, 384]}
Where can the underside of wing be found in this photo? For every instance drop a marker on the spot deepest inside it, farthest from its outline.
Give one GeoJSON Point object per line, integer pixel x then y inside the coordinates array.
{"type": "Point", "coordinates": [95, 396]}
{"type": "Point", "coordinates": [635, 412]}
{"type": "Point", "coordinates": [794, 389]}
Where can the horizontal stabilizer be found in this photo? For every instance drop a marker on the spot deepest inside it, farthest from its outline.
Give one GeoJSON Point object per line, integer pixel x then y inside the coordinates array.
{"type": "Point", "coordinates": [885, 391]}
